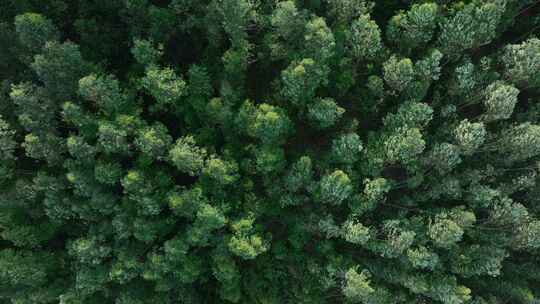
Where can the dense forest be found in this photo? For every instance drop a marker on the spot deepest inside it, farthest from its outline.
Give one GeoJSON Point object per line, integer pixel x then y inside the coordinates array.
{"type": "Point", "coordinates": [268, 152]}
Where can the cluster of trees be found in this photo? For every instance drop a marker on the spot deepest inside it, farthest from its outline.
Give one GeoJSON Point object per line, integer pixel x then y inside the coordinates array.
{"type": "Point", "coordinates": [252, 151]}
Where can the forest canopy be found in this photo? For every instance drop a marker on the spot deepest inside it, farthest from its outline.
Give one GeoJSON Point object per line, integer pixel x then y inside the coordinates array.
{"type": "Point", "coordinates": [267, 151]}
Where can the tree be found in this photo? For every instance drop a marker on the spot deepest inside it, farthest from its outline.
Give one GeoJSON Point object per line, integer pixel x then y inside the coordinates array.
{"type": "Point", "coordinates": [472, 26]}
{"type": "Point", "coordinates": [165, 86]}
{"type": "Point", "coordinates": [154, 140]}
{"type": "Point", "coordinates": [500, 101]}
{"type": "Point", "coordinates": [104, 91]}
{"type": "Point", "coordinates": [522, 62]}
{"type": "Point", "coordinates": [364, 38]}
{"type": "Point", "coordinates": [357, 287]}
{"type": "Point", "coordinates": [245, 151]}
{"type": "Point", "coordinates": [404, 145]}
{"type": "Point", "coordinates": [346, 148]}
{"type": "Point", "coordinates": [324, 113]}
{"type": "Point", "coordinates": [59, 67]}
{"type": "Point", "coordinates": [469, 136]}
{"type": "Point", "coordinates": [187, 156]}
{"type": "Point", "coordinates": [398, 73]}
{"type": "Point", "coordinates": [334, 188]}
{"type": "Point", "coordinates": [33, 31]}
{"type": "Point", "coordinates": [414, 28]}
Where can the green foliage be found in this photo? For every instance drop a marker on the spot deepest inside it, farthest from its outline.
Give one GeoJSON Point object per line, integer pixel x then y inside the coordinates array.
{"type": "Point", "coordinates": [346, 148]}
{"type": "Point", "coordinates": [164, 85]}
{"type": "Point", "coordinates": [365, 38]}
{"type": "Point", "coordinates": [145, 52]}
{"type": "Point", "coordinates": [473, 25]}
{"type": "Point", "coordinates": [154, 140]}
{"type": "Point", "coordinates": [334, 188]}
{"type": "Point", "coordinates": [500, 101]}
{"type": "Point", "coordinates": [187, 156]}
{"type": "Point", "coordinates": [301, 79]}
{"type": "Point", "coordinates": [267, 123]}
{"type": "Point", "coordinates": [324, 113]}
{"type": "Point", "coordinates": [104, 92]}
{"type": "Point", "coordinates": [243, 151]}
{"type": "Point", "coordinates": [398, 73]}
{"type": "Point", "coordinates": [59, 67]}
{"type": "Point", "coordinates": [357, 287]}
{"type": "Point", "coordinates": [470, 136]}
{"type": "Point", "coordinates": [405, 145]}
{"type": "Point", "coordinates": [414, 28]}
{"type": "Point", "coordinates": [522, 62]}
{"type": "Point", "coordinates": [33, 31]}
{"type": "Point", "coordinates": [244, 242]}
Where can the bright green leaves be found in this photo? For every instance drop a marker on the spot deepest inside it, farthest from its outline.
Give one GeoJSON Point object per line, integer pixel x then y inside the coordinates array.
{"type": "Point", "coordinates": [210, 218]}
{"type": "Point", "coordinates": [346, 148]}
{"type": "Point", "coordinates": [319, 41]}
{"type": "Point", "coordinates": [324, 113]}
{"type": "Point", "coordinates": [398, 73]}
{"type": "Point", "coordinates": [471, 26]}
{"type": "Point", "coordinates": [207, 219]}
{"type": "Point", "coordinates": [193, 160]}
{"type": "Point", "coordinates": [409, 115]}
{"type": "Point", "coordinates": [414, 28]}
{"type": "Point", "coordinates": [187, 156]}
{"type": "Point", "coordinates": [164, 85]}
{"type": "Point", "coordinates": [230, 124]}
{"type": "Point", "coordinates": [422, 258]}
{"type": "Point", "coordinates": [300, 81]}
{"type": "Point", "coordinates": [221, 171]}
{"type": "Point", "coordinates": [404, 145]}
{"type": "Point", "coordinates": [364, 39]}
{"type": "Point", "coordinates": [520, 142]}
{"type": "Point", "coordinates": [500, 100]}
{"type": "Point", "coordinates": [112, 139]}
{"type": "Point", "coordinates": [357, 288]}
{"type": "Point", "coordinates": [270, 124]}
{"type": "Point", "coordinates": [397, 239]}
{"type": "Point", "coordinates": [334, 188]}
{"type": "Point", "coordinates": [245, 242]}
{"type": "Point", "coordinates": [355, 233]}
{"type": "Point", "coordinates": [154, 141]}
{"type": "Point", "coordinates": [374, 192]}
{"type": "Point", "coordinates": [522, 63]}
{"type": "Point", "coordinates": [445, 232]}
{"type": "Point", "coordinates": [470, 136]}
